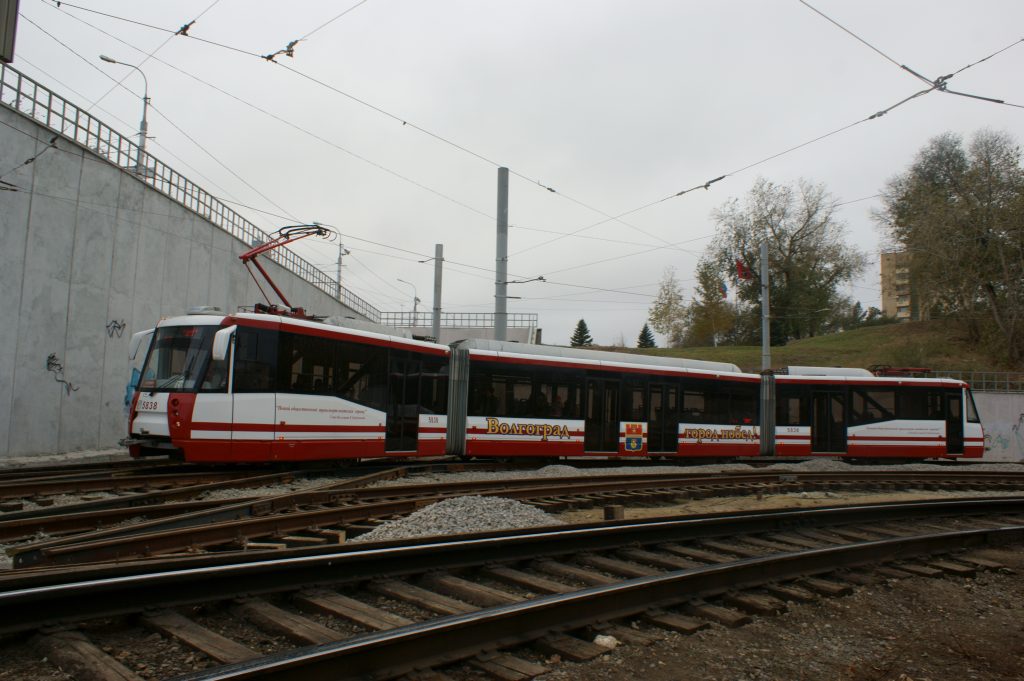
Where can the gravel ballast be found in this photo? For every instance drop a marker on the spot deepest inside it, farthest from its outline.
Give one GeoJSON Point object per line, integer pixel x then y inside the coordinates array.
{"type": "Point", "coordinates": [461, 515]}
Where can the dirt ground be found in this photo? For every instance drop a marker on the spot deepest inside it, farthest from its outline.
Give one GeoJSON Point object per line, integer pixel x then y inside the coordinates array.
{"type": "Point", "coordinates": [913, 629]}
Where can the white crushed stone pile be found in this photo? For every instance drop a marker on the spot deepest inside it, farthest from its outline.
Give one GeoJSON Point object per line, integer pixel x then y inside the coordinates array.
{"type": "Point", "coordinates": [461, 515]}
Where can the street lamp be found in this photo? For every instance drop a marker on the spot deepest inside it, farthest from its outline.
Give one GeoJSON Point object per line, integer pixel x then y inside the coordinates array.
{"type": "Point", "coordinates": [415, 299]}
{"type": "Point", "coordinates": [143, 126]}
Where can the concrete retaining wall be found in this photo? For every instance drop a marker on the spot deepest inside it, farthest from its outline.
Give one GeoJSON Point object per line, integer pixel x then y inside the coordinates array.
{"type": "Point", "coordinates": [1002, 415]}
{"type": "Point", "coordinates": [88, 256]}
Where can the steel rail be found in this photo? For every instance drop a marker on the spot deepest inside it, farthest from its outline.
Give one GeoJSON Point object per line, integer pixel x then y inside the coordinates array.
{"type": "Point", "coordinates": [34, 576]}
{"type": "Point", "coordinates": [83, 468]}
{"type": "Point", "coordinates": [261, 517]}
{"type": "Point", "coordinates": [31, 606]}
{"type": "Point", "coordinates": [398, 651]}
{"type": "Point", "coordinates": [141, 499]}
{"type": "Point", "coordinates": [147, 498]}
{"type": "Point", "coordinates": [20, 489]}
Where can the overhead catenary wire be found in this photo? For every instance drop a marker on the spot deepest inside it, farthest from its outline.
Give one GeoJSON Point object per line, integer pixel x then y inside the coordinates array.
{"type": "Point", "coordinates": [937, 83]}
{"type": "Point", "coordinates": [706, 185]}
{"type": "Point", "coordinates": [699, 186]}
{"type": "Point", "coordinates": [169, 121]}
{"type": "Point", "coordinates": [181, 31]}
{"type": "Point", "coordinates": [294, 126]}
{"type": "Point", "coordinates": [166, 150]}
{"type": "Point", "coordinates": [397, 118]}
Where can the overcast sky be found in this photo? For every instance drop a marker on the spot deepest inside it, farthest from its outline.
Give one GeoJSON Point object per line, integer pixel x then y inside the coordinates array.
{"type": "Point", "coordinates": [613, 104]}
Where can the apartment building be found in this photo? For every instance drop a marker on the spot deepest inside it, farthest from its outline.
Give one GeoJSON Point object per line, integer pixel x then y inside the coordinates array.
{"type": "Point", "coordinates": [899, 299]}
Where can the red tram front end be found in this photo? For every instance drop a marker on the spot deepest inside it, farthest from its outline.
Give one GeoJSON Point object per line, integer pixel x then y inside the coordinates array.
{"type": "Point", "coordinates": [260, 388]}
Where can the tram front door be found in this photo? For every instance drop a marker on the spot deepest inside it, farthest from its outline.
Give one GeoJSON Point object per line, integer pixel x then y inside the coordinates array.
{"type": "Point", "coordinates": [954, 424]}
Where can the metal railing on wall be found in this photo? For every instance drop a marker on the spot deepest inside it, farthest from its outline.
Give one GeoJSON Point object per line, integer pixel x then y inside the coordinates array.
{"type": "Point", "coordinates": [986, 381]}
{"type": "Point", "coordinates": [33, 100]}
{"type": "Point", "coordinates": [461, 320]}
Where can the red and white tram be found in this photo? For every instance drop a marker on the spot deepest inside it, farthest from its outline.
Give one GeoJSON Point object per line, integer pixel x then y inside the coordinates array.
{"type": "Point", "coordinates": [260, 387]}
{"type": "Point", "coordinates": [263, 387]}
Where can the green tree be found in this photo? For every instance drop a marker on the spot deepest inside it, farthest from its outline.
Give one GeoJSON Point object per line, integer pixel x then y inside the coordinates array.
{"type": "Point", "coordinates": [646, 338]}
{"type": "Point", "coordinates": [709, 319]}
{"type": "Point", "coordinates": [959, 214]}
{"type": "Point", "coordinates": [808, 258]}
{"type": "Point", "coordinates": [581, 336]}
{"type": "Point", "coordinates": [667, 313]}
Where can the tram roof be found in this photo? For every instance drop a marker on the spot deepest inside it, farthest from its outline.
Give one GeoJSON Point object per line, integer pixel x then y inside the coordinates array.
{"type": "Point", "coordinates": [595, 355]}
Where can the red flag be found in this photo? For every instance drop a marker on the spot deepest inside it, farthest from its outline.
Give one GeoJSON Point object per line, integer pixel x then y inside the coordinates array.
{"type": "Point", "coordinates": [742, 271]}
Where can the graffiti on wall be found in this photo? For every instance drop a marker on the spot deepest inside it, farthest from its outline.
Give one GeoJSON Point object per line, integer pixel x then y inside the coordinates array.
{"type": "Point", "coordinates": [1004, 440]}
{"type": "Point", "coordinates": [115, 326]}
{"type": "Point", "coordinates": [54, 366]}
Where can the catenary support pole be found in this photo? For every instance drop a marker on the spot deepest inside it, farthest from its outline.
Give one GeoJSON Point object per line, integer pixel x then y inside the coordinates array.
{"type": "Point", "coordinates": [435, 328]}
{"type": "Point", "coordinates": [341, 252]}
{"type": "Point", "coordinates": [501, 261]}
{"type": "Point", "coordinates": [766, 338]}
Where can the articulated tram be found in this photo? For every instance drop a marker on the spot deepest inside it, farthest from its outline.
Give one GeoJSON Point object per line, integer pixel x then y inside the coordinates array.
{"type": "Point", "coordinates": [254, 387]}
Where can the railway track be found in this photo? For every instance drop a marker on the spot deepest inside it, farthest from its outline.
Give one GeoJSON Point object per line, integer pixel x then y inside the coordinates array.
{"type": "Point", "coordinates": [330, 514]}
{"type": "Point", "coordinates": [393, 608]}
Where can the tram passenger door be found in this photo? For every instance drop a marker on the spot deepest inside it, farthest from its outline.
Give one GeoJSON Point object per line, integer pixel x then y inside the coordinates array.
{"type": "Point", "coordinates": [602, 424]}
{"type": "Point", "coordinates": [954, 424]}
{"type": "Point", "coordinates": [403, 404]}
{"type": "Point", "coordinates": [663, 428]}
{"type": "Point", "coordinates": [828, 427]}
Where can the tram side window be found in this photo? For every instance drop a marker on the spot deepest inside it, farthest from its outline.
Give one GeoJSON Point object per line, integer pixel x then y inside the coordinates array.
{"type": "Point", "coordinates": [871, 406]}
{"type": "Point", "coordinates": [255, 360]}
{"type": "Point", "coordinates": [920, 404]}
{"type": "Point", "coordinates": [787, 411]}
{"type": "Point", "coordinates": [361, 374]}
{"type": "Point", "coordinates": [633, 408]}
{"type": "Point", "coordinates": [694, 406]}
{"type": "Point", "coordinates": [743, 404]}
{"type": "Point", "coordinates": [566, 402]}
{"type": "Point", "coordinates": [483, 395]}
{"type": "Point", "coordinates": [434, 386]}
{"type": "Point", "coordinates": [307, 364]}
{"type": "Point", "coordinates": [526, 394]}
{"type": "Point", "coordinates": [524, 400]}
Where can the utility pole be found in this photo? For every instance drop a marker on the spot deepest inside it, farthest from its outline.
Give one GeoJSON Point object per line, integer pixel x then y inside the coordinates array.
{"type": "Point", "coordinates": [501, 261]}
{"type": "Point", "coordinates": [766, 338]}
{"type": "Point", "coordinates": [435, 329]}
{"type": "Point", "coordinates": [341, 251]}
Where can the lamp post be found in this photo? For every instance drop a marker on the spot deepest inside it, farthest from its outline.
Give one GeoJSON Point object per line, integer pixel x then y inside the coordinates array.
{"type": "Point", "coordinates": [415, 299]}
{"type": "Point", "coordinates": [143, 125]}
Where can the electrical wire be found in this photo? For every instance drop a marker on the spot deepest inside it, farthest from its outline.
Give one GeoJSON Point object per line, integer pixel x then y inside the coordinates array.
{"type": "Point", "coordinates": [936, 84]}
{"type": "Point", "coordinates": [294, 126]}
{"type": "Point", "coordinates": [150, 55]}
{"type": "Point", "coordinates": [669, 247]}
{"type": "Point", "coordinates": [166, 150]}
{"type": "Point", "coordinates": [331, 21]}
{"type": "Point", "coordinates": [858, 38]}
{"type": "Point", "coordinates": [169, 121]}
{"type": "Point", "coordinates": [404, 121]}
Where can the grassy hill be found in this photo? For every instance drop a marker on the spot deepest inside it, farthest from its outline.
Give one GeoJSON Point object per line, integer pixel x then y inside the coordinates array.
{"type": "Point", "coordinates": [932, 344]}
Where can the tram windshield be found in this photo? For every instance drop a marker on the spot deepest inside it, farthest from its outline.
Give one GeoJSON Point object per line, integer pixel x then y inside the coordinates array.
{"type": "Point", "coordinates": [177, 358]}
